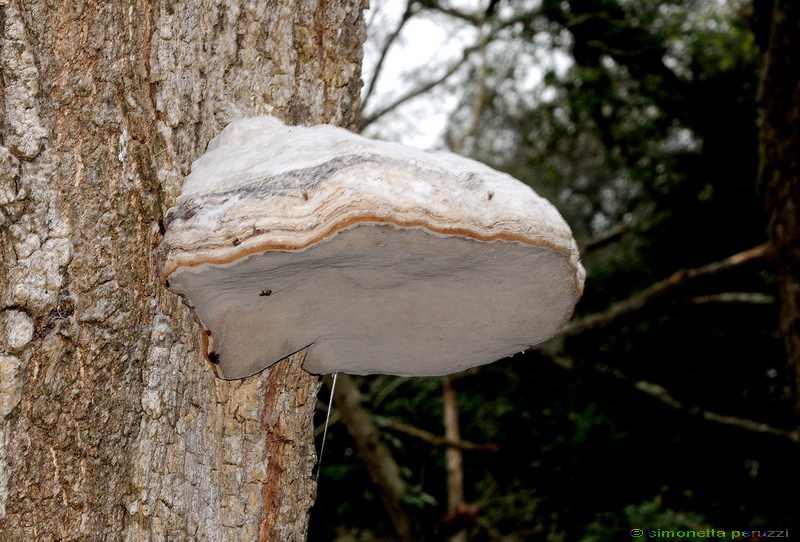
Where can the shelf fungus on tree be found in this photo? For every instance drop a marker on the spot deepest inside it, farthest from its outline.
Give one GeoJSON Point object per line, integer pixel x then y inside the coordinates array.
{"type": "Point", "coordinates": [376, 257]}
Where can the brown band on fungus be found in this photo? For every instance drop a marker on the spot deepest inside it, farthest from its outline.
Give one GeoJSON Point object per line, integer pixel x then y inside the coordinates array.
{"type": "Point", "coordinates": [255, 247]}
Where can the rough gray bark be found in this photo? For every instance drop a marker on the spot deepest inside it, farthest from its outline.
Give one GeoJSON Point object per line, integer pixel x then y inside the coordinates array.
{"type": "Point", "coordinates": [111, 428]}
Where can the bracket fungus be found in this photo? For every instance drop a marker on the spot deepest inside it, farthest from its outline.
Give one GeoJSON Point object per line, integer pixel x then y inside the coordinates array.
{"type": "Point", "coordinates": [377, 257]}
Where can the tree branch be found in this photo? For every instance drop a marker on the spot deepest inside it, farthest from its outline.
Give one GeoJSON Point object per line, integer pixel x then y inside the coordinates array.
{"type": "Point", "coordinates": [407, 14]}
{"type": "Point", "coordinates": [320, 429]}
{"type": "Point", "coordinates": [432, 438]}
{"type": "Point", "coordinates": [477, 19]}
{"type": "Point", "coordinates": [454, 459]}
{"type": "Point", "coordinates": [660, 393]}
{"type": "Point", "coordinates": [605, 238]}
{"type": "Point", "coordinates": [381, 466]}
{"type": "Point", "coordinates": [478, 100]}
{"type": "Point", "coordinates": [754, 298]}
{"type": "Point", "coordinates": [659, 290]}
{"type": "Point", "coordinates": [363, 122]}
{"type": "Point", "coordinates": [473, 18]}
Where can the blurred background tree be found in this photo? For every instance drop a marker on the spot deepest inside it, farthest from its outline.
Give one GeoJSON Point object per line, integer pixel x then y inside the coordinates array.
{"type": "Point", "coordinates": [668, 401]}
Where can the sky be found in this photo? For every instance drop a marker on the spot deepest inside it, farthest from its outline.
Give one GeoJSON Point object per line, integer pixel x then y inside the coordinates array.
{"type": "Point", "coordinates": [424, 45]}
{"type": "Point", "coordinates": [427, 46]}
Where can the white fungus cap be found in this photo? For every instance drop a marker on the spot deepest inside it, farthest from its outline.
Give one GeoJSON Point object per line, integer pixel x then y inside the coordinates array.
{"type": "Point", "coordinates": [377, 257]}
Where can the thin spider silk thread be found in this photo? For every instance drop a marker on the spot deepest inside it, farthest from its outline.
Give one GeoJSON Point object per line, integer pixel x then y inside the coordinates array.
{"type": "Point", "coordinates": [325, 431]}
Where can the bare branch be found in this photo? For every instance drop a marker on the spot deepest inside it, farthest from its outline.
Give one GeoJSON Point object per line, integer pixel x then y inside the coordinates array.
{"type": "Point", "coordinates": [394, 383]}
{"type": "Point", "coordinates": [432, 438]}
{"type": "Point", "coordinates": [407, 14]}
{"type": "Point", "coordinates": [476, 18]}
{"type": "Point", "coordinates": [381, 466]}
{"type": "Point", "coordinates": [581, 19]}
{"type": "Point", "coordinates": [754, 298]}
{"type": "Point", "coordinates": [363, 122]}
{"type": "Point", "coordinates": [605, 238]}
{"type": "Point", "coordinates": [659, 290]}
{"type": "Point", "coordinates": [319, 429]}
{"type": "Point", "coordinates": [454, 458]}
{"type": "Point", "coordinates": [480, 93]}
{"type": "Point", "coordinates": [662, 394]}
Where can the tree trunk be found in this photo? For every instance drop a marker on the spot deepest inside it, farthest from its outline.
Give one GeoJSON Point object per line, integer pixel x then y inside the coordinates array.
{"type": "Point", "coordinates": [111, 427]}
{"type": "Point", "coordinates": [454, 461]}
{"type": "Point", "coordinates": [381, 466]}
{"type": "Point", "coordinates": [779, 21]}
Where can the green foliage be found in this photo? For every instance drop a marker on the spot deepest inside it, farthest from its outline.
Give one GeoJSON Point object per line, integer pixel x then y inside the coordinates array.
{"type": "Point", "coordinates": [647, 516]}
